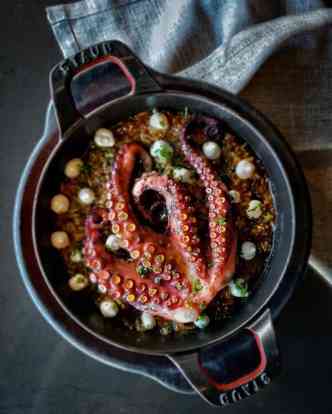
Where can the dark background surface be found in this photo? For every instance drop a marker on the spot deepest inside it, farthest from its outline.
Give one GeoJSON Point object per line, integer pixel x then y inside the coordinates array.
{"type": "Point", "coordinates": [40, 372]}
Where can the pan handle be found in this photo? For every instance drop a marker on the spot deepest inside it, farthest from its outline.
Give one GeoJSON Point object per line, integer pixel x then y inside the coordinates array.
{"type": "Point", "coordinates": [130, 77]}
{"type": "Point", "coordinates": [220, 380]}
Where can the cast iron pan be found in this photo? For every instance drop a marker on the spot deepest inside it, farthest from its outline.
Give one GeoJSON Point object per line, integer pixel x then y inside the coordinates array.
{"type": "Point", "coordinates": [224, 363]}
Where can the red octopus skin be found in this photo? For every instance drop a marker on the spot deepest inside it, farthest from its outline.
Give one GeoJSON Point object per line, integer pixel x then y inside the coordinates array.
{"type": "Point", "coordinates": [174, 258]}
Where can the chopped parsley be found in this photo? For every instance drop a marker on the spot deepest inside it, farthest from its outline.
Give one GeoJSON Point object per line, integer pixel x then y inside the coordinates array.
{"type": "Point", "coordinates": [221, 220]}
{"type": "Point", "coordinates": [239, 288]}
{"type": "Point", "coordinates": [142, 270]}
{"type": "Point", "coordinates": [267, 217]}
{"type": "Point", "coordinates": [109, 154]}
{"type": "Point", "coordinates": [159, 166]}
{"type": "Point", "coordinates": [202, 321]}
{"type": "Point", "coordinates": [178, 285]}
{"type": "Point", "coordinates": [86, 169]}
{"type": "Point", "coordinates": [197, 286]}
{"type": "Point", "coordinates": [165, 153]}
{"type": "Point", "coordinates": [257, 206]}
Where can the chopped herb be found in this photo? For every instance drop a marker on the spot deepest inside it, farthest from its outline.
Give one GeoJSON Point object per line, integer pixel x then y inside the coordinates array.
{"type": "Point", "coordinates": [120, 303]}
{"type": "Point", "coordinates": [159, 166]}
{"type": "Point", "coordinates": [165, 153]}
{"type": "Point", "coordinates": [267, 217]}
{"type": "Point", "coordinates": [162, 151]}
{"type": "Point", "coordinates": [257, 206]}
{"type": "Point", "coordinates": [202, 306]}
{"type": "Point", "coordinates": [86, 169]}
{"type": "Point", "coordinates": [142, 270]}
{"type": "Point", "coordinates": [178, 285]}
{"type": "Point", "coordinates": [197, 286]}
{"type": "Point", "coordinates": [109, 154]}
{"type": "Point", "coordinates": [239, 288]}
{"type": "Point", "coordinates": [221, 220]}
{"type": "Point", "coordinates": [202, 321]}
{"type": "Point", "coordinates": [210, 264]}
{"type": "Point", "coordinates": [168, 170]}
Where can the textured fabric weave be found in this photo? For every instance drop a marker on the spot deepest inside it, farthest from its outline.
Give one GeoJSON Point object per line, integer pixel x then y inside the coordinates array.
{"type": "Point", "coordinates": [223, 42]}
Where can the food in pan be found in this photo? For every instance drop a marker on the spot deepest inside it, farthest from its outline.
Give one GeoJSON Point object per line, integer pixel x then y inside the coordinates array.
{"type": "Point", "coordinates": [166, 220]}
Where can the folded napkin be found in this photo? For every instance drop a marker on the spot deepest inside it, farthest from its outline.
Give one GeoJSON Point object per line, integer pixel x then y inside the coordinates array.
{"type": "Point", "coordinates": [225, 42]}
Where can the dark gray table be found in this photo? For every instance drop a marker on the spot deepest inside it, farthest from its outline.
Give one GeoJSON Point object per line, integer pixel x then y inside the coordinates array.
{"type": "Point", "coordinates": [40, 373]}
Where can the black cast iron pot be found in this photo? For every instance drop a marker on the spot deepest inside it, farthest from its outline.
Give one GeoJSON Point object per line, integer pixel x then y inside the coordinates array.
{"type": "Point", "coordinates": [226, 362]}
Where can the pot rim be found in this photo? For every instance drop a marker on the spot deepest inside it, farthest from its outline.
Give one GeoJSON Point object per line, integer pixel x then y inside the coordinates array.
{"type": "Point", "coordinates": [34, 294]}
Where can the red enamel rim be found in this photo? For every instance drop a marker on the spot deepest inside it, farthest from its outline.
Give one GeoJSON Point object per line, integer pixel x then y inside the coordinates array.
{"type": "Point", "coordinates": [245, 378]}
{"type": "Point", "coordinates": [117, 62]}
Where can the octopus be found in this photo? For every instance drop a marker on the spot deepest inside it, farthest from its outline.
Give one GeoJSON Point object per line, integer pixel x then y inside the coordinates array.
{"type": "Point", "coordinates": [172, 273]}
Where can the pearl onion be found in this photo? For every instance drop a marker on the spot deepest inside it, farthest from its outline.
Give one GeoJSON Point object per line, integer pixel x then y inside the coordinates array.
{"type": "Point", "coordinates": [185, 315]}
{"type": "Point", "coordinates": [235, 196]}
{"type": "Point", "coordinates": [78, 282]}
{"type": "Point", "coordinates": [182, 174]}
{"type": "Point", "coordinates": [73, 168]}
{"type": "Point", "coordinates": [113, 242]}
{"type": "Point", "coordinates": [108, 308]}
{"type": "Point", "coordinates": [248, 250]}
{"type": "Point", "coordinates": [202, 322]}
{"type": "Point", "coordinates": [211, 150]}
{"type": "Point", "coordinates": [158, 121]}
{"type": "Point", "coordinates": [244, 169]}
{"type": "Point", "coordinates": [86, 196]}
{"type": "Point", "coordinates": [104, 138]}
{"type": "Point", "coordinates": [254, 210]}
{"type": "Point", "coordinates": [60, 204]}
{"type": "Point", "coordinates": [60, 239]}
{"type": "Point", "coordinates": [161, 150]}
{"type": "Point", "coordinates": [148, 321]}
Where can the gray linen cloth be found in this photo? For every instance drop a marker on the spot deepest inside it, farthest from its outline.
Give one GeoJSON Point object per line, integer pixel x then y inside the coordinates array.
{"type": "Point", "coordinates": [225, 42]}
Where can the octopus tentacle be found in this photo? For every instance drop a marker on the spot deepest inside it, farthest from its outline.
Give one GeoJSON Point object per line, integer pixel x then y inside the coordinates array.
{"type": "Point", "coordinates": [119, 279]}
{"type": "Point", "coordinates": [123, 220]}
{"type": "Point", "coordinates": [182, 224]}
{"type": "Point", "coordinates": [221, 227]}
{"type": "Point", "coordinates": [163, 291]}
{"type": "Point", "coordinates": [166, 274]}
{"type": "Point", "coordinates": [124, 166]}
